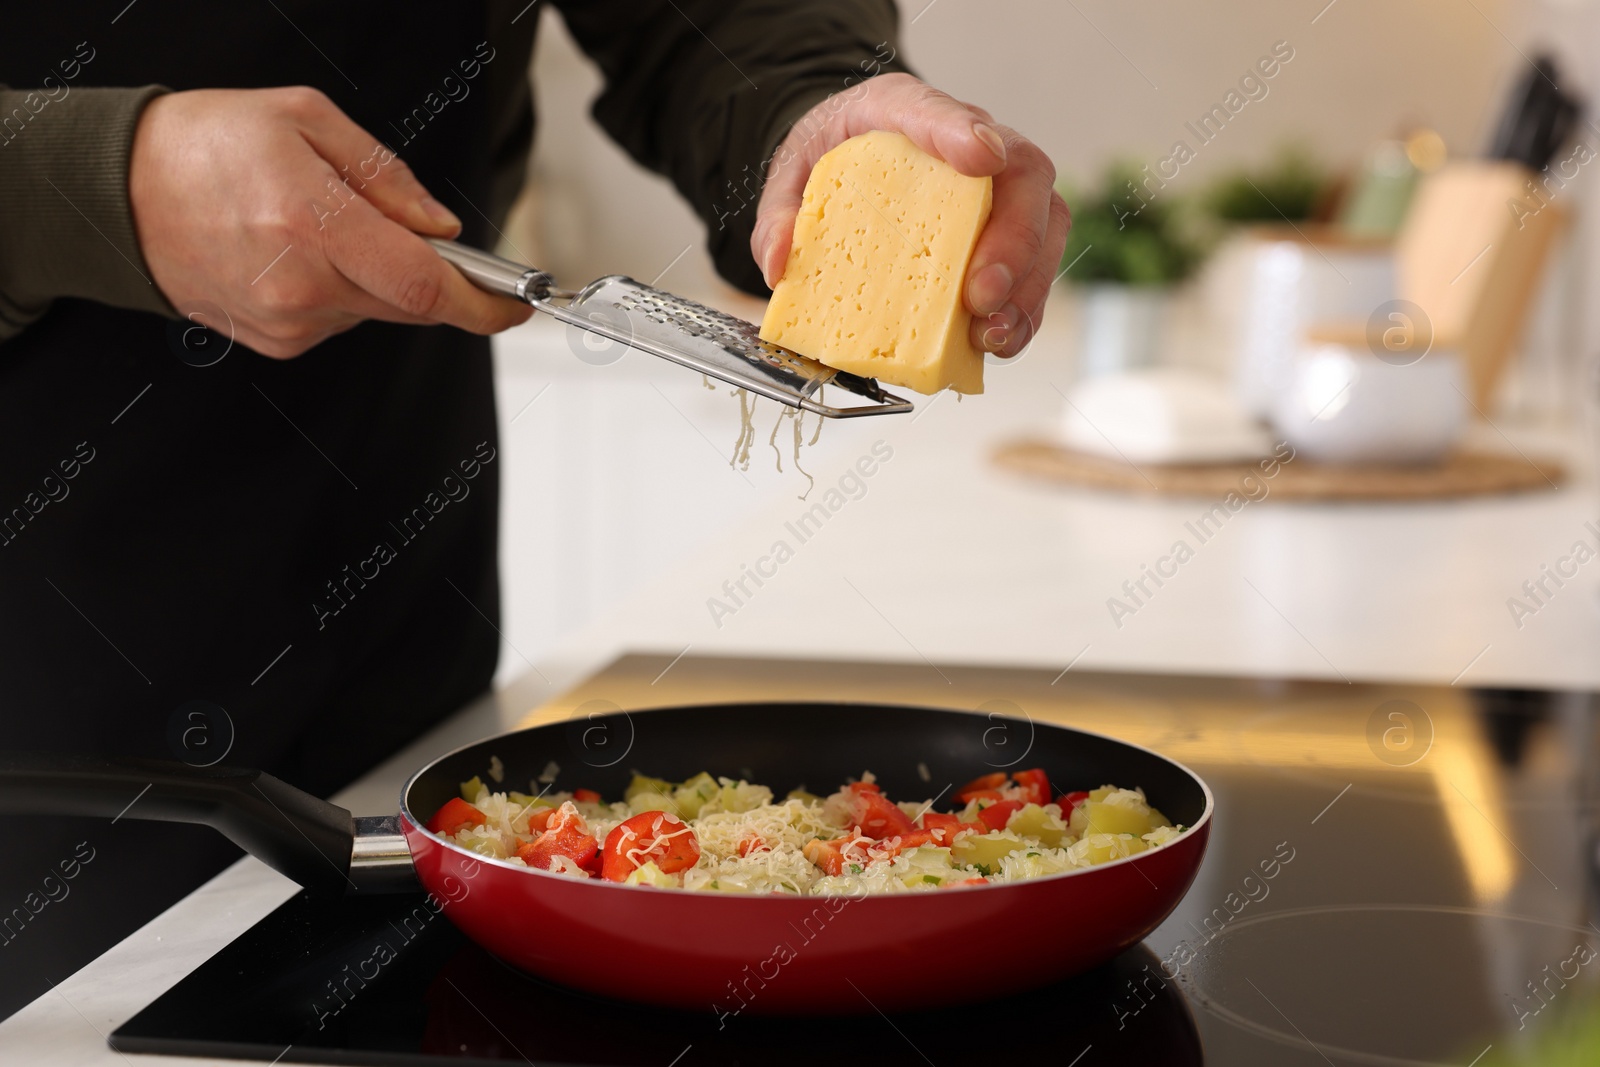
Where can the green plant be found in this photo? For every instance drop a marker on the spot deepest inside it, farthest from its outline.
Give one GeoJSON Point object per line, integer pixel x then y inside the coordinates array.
{"type": "Point", "coordinates": [1290, 187]}
{"type": "Point", "coordinates": [1128, 232]}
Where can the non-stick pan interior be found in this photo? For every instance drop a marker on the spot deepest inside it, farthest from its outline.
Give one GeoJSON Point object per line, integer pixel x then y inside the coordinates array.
{"type": "Point", "coordinates": [916, 753]}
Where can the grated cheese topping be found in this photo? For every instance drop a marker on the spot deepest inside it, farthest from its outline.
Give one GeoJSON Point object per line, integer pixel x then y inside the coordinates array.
{"type": "Point", "coordinates": [751, 843]}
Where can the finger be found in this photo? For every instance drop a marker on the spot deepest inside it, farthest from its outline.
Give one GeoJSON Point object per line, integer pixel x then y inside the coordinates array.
{"type": "Point", "coordinates": [1009, 331]}
{"type": "Point", "coordinates": [1015, 234]}
{"type": "Point", "coordinates": [936, 122]}
{"type": "Point", "coordinates": [403, 271]}
{"type": "Point", "coordinates": [775, 216]}
{"type": "Point", "coordinates": [962, 136]}
{"type": "Point", "coordinates": [367, 167]}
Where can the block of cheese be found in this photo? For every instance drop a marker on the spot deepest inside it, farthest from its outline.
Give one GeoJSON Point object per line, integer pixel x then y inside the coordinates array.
{"type": "Point", "coordinates": [874, 278]}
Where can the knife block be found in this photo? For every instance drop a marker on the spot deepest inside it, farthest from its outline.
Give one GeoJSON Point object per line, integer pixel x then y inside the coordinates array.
{"type": "Point", "coordinates": [1471, 253]}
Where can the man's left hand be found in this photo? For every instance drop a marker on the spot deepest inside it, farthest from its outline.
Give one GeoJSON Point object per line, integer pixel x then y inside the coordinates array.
{"type": "Point", "coordinates": [1019, 251]}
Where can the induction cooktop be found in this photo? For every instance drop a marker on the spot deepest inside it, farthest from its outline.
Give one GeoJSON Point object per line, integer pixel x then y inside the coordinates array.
{"type": "Point", "coordinates": [379, 980]}
{"type": "Point", "coordinates": [1397, 875]}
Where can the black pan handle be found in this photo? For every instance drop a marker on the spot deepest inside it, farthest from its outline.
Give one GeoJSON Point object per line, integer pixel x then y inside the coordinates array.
{"type": "Point", "coordinates": [293, 832]}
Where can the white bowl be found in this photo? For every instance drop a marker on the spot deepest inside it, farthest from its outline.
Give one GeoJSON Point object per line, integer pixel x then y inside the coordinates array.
{"type": "Point", "coordinates": [1342, 404]}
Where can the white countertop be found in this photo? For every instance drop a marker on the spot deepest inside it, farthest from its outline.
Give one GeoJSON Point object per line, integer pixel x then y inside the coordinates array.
{"type": "Point", "coordinates": [623, 520]}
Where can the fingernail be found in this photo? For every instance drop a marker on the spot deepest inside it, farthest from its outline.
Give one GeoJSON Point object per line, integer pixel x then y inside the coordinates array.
{"type": "Point", "coordinates": [990, 287]}
{"type": "Point", "coordinates": [1019, 331]}
{"type": "Point", "coordinates": [997, 331]}
{"type": "Point", "coordinates": [986, 133]}
{"type": "Point", "coordinates": [439, 213]}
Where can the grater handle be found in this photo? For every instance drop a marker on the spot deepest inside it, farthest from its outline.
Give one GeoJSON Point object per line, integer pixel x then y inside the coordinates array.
{"type": "Point", "coordinates": [493, 274]}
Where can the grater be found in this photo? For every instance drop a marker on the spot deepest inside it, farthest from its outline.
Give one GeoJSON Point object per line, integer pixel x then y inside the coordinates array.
{"type": "Point", "coordinates": [689, 334]}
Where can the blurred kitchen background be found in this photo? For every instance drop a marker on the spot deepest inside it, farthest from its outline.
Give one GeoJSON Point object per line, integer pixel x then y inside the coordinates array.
{"type": "Point", "coordinates": [624, 517]}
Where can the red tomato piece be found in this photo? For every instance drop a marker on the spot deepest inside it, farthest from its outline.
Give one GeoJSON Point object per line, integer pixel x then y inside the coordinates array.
{"type": "Point", "coordinates": [568, 841]}
{"type": "Point", "coordinates": [1035, 786]}
{"type": "Point", "coordinates": [875, 815]}
{"type": "Point", "coordinates": [455, 816]}
{"type": "Point", "coordinates": [915, 839]}
{"type": "Point", "coordinates": [829, 855]}
{"type": "Point", "coordinates": [654, 836]}
{"type": "Point", "coordinates": [985, 784]}
{"type": "Point", "coordinates": [995, 816]}
{"type": "Point", "coordinates": [541, 818]}
{"type": "Point", "coordinates": [1072, 800]}
{"type": "Point", "coordinates": [592, 865]}
{"type": "Point", "coordinates": [945, 827]}
{"type": "Point", "coordinates": [588, 796]}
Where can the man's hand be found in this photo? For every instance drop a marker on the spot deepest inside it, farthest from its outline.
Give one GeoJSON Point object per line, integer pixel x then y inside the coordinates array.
{"type": "Point", "coordinates": [273, 205]}
{"type": "Point", "coordinates": [1019, 250]}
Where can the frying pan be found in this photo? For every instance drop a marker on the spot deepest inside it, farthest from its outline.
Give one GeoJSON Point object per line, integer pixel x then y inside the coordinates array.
{"type": "Point", "coordinates": [727, 953]}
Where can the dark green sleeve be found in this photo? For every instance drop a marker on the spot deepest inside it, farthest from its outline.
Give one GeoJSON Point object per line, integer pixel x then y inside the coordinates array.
{"type": "Point", "coordinates": [66, 228]}
{"type": "Point", "coordinates": [703, 91]}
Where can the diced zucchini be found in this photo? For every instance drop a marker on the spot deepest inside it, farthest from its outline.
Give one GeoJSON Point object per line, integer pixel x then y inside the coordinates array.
{"type": "Point", "coordinates": [692, 795]}
{"type": "Point", "coordinates": [471, 788]}
{"type": "Point", "coordinates": [642, 802]}
{"type": "Point", "coordinates": [649, 874]}
{"type": "Point", "coordinates": [1034, 821]}
{"type": "Point", "coordinates": [925, 864]}
{"type": "Point", "coordinates": [1105, 817]}
{"type": "Point", "coordinates": [801, 794]}
{"type": "Point", "coordinates": [741, 796]}
{"type": "Point", "coordinates": [643, 784]}
{"type": "Point", "coordinates": [973, 850]}
{"type": "Point", "coordinates": [487, 846]}
{"type": "Point", "coordinates": [1102, 848]}
{"type": "Point", "coordinates": [531, 803]}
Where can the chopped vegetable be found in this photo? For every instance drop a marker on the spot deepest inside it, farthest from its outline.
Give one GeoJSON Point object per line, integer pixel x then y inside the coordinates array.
{"type": "Point", "coordinates": [874, 815]}
{"type": "Point", "coordinates": [657, 837]}
{"type": "Point", "coordinates": [731, 836]}
{"type": "Point", "coordinates": [985, 850]}
{"type": "Point", "coordinates": [642, 784]}
{"type": "Point", "coordinates": [995, 816]}
{"type": "Point", "coordinates": [1035, 786]}
{"type": "Point", "coordinates": [692, 795]}
{"type": "Point", "coordinates": [565, 837]}
{"type": "Point", "coordinates": [986, 784]}
{"type": "Point", "coordinates": [455, 816]}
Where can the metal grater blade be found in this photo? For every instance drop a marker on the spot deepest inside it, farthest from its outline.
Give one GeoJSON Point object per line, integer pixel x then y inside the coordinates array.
{"type": "Point", "coordinates": [666, 325]}
{"type": "Point", "coordinates": [714, 343]}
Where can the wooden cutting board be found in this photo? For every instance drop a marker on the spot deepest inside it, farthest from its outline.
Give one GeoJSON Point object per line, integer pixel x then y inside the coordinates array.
{"type": "Point", "coordinates": [1464, 473]}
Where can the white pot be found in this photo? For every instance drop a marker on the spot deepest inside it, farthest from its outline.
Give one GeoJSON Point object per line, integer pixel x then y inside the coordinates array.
{"type": "Point", "coordinates": [1265, 285]}
{"type": "Point", "coordinates": [1121, 327]}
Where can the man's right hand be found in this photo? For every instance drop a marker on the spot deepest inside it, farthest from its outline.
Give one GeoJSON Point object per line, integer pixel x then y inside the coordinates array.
{"type": "Point", "coordinates": [273, 205]}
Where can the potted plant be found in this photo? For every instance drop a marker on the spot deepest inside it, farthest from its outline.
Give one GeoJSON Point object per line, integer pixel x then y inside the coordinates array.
{"type": "Point", "coordinates": [1129, 246]}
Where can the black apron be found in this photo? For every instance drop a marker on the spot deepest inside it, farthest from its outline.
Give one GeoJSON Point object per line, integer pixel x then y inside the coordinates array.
{"type": "Point", "coordinates": [290, 562]}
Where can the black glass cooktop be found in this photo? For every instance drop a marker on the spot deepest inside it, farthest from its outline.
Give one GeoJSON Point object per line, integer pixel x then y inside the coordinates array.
{"type": "Point", "coordinates": [1396, 876]}
{"type": "Point", "coordinates": [362, 981]}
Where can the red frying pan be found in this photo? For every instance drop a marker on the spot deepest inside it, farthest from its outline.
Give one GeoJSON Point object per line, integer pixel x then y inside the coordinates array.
{"type": "Point", "coordinates": [700, 951]}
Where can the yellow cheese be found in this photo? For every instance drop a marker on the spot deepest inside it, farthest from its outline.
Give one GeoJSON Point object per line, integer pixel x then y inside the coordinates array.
{"type": "Point", "coordinates": [874, 278]}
